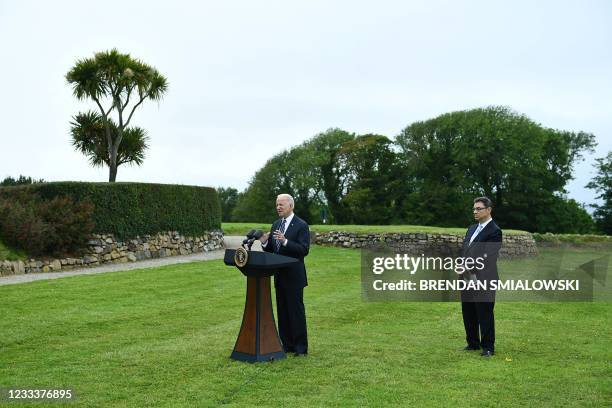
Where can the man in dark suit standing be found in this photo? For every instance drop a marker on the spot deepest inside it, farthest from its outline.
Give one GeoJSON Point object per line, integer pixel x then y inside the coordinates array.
{"type": "Point", "coordinates": [482, 239]}
{"type": "Point", "coordinates": [290, 237]}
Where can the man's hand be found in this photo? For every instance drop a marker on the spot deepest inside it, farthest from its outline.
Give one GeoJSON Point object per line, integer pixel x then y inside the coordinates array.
{"type": "Point", "coordinates": [264, 238]}
{"type": "Point", "coordinates": [279, 236]}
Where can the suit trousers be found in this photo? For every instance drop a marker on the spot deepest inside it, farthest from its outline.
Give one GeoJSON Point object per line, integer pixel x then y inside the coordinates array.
{"type": "Point", "coordinates": [479, 315]}
{"type": "Point", "coordinates": [292, 319]}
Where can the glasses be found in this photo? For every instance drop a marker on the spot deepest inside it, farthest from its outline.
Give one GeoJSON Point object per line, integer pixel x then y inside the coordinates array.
{"type": "Point", "coordinates": [479, 209]}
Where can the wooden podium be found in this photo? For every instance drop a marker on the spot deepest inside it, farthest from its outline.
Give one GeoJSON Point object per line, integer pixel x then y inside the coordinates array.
{"type": "Point", "coordinates": [258, 338]}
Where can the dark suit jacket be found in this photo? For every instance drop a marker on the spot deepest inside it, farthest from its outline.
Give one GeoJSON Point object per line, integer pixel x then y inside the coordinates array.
{"type": "Point", "coordinates": [298, 245]}
{"type": "Point", "coordinates": [487, 242]}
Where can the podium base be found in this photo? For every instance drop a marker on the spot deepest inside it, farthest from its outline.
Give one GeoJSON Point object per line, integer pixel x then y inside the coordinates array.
{"type": "Point", "coordinates": [251, 358]}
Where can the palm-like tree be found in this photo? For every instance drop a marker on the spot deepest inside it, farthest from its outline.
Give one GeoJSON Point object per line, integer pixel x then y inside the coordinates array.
{"type": "Point", "coordinates": [89, 137]}
{"type": "Point", "coordinates": [118, 84]}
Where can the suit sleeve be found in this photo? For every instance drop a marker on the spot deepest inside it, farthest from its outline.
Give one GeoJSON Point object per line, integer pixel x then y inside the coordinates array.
{"type": "Point", "coordinates": [300, 247]}
{"type": "Point", "coordinates": [495, 240]}
{"type": "Point", "coordinates": [269, 245]}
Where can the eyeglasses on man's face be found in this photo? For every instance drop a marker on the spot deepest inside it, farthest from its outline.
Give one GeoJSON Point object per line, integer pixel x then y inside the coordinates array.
{"type": "Point", "coordinates": [479, 209]}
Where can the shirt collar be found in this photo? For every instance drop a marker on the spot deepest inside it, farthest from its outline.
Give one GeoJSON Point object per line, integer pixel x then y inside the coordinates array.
{"type": "Point", "coordinates": [289, 219]}
{"type": "Point", "coordinates": [484, 224]}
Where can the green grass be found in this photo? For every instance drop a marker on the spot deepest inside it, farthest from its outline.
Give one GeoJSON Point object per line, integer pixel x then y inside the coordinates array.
{"type": "Point", "coordinates": [162, 337]}
{"type": "Point", "coordinates": [10, 254]}
{"type": "Point", "coordinates": [241, 228]}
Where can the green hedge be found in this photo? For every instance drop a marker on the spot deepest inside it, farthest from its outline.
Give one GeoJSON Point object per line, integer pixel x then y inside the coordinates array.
{"type": "Point", "coordinates": [549, 238]}
{"type": "Point", "coordinates": [131, 209]}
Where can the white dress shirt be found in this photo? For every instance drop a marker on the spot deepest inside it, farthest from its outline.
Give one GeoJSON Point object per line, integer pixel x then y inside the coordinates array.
{"type": "Point", "coordinates": [479, 229]}
{"type": "Point", "coordinates": [287, 223]}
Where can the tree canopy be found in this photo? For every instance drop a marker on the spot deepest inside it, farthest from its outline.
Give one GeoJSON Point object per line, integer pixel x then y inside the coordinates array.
{"type": "Point", "coordinates": [118, 84]}
{"type": "Point", "coordinates": [495, 152]}
{"type": "Point", "coordinates": [430, 174]}
{"type": "Point", "coordinates": [602, 184]}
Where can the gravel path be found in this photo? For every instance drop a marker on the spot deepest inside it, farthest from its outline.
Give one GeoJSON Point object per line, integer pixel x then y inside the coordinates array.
{"type": "Point", "coordinates": [230, 242]}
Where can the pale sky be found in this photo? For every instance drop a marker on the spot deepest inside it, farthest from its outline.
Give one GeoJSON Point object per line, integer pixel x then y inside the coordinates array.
{"type": "Point", "coordinates": [251, 78]}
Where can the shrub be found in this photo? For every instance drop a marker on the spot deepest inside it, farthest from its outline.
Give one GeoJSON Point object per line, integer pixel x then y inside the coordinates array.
{"type": "Point", "coordinates": [571, 239]}
{"type": "Point", "coordinates": [55, 227]}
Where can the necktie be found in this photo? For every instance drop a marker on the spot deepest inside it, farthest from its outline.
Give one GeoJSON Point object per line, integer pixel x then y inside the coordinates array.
{"type": "Point", "coordinates": [475, 234]}
{"type": "Point", "coordinates": [277, 243]}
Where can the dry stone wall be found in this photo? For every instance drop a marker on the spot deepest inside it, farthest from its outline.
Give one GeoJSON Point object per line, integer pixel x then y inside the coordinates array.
{"type": "Point", "coordinates": [519, 245]}
{"type": "Point", "coordinates": [105, 249]}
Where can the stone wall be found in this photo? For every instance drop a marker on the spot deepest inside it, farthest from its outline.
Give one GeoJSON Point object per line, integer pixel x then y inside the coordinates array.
{"type": "Point", "coordinates": [522, 245]}
{"type": "Point", "coordinates": [105, 249]}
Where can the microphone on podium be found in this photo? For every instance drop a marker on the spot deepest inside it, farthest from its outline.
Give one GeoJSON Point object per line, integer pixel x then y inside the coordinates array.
{"type": "Point", "coordinates": [252, 236]}
{"type": "Point", "coordinates": [248, 236]}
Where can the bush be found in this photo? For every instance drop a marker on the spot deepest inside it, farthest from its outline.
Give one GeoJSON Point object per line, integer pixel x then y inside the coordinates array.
{"type": "Point", "coordinates": [127, 210]}
{"type": "Point", "coordinates": [559, 239]}
{"type": "Point", "coordinates": [56, 227]}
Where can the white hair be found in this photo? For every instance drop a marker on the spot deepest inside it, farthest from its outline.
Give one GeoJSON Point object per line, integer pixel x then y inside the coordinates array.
{"type": "Point", "coordinates": [288, 198]}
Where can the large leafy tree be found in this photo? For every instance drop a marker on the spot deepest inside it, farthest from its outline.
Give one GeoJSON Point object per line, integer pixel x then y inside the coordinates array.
{"type": "Point", "coordinates": [228, 197]}
{"type": "Point", "coordinates": [309, 172]}
{"type": "Point", "coordinates": [492, 151]}
{"type": "Point", "coordinates": [372, 180]}
{"type": "Point", "coordinates": [355, 179]}
{"type": "Point", "coordinates": [118, 84]}
{"type": "Point", "coordinates": [292, 171]}
{"type": "Point", "coordinates": [330, 176]}
{"type": "Point", "coordinates": [602, 183]}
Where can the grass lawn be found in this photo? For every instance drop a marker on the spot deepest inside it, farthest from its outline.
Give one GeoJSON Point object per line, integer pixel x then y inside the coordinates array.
{"type": "Point", "coordinates": [241, 228]}
{"type": "Point", "coordinates": [162, 337]}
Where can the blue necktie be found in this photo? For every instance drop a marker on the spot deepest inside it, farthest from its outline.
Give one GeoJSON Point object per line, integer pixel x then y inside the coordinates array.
{"type": "Point", "coordinates": [278, 243]}
{"type": "Point", "coordinates": [475, 234]}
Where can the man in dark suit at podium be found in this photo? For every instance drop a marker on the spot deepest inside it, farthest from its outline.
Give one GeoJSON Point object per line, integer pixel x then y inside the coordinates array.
{"type": "Point", "coordinates": [290, 237]}
{"type": "Point", "coordinates": [484, 240]}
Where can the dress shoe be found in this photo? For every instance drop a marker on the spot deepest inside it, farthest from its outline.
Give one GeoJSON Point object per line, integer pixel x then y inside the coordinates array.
{"type": "Point", "coordinates": [471, 348]}
{"type": "Point", "coordinates": [304, 354]}
{"type": "Point", "coordinates": [487, 353]}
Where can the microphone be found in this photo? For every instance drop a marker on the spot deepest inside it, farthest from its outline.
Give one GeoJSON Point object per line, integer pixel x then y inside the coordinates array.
{"type": "Point", "coordinates": [249, 236]}
{"type": "Point", "coordinates": [254, 237]}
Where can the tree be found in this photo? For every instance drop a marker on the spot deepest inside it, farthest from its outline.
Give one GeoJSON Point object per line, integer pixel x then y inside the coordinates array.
{"type": "Point", "coordinates": [9, 181]}
{"type": "Point", "coordinates": [355, 179]}
{"type": "Point", "coordinates": [228, 198]}
{"type": "Point", "coordinates": [118, 84]}
{"type": "Point", "coordinates": [371, 178]}
{"type": "Point", "coordinates": [331, 178]}
{"type": "Point", "coordinates": [89, 137]}
{"type": "Point", "coordinates": [290, 172]}
{"type": "Point", "coordinates": [493, 151]}
{"type": "Point", "coordinates": [602, 183]}
{"type": "Point", "coordinates": [309, 172]}
{"type": "Point", "coordinates": [565, 216]}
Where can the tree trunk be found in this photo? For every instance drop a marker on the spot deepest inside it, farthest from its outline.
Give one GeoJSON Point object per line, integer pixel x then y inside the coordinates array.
{"type": "Point", "coordinates": [112, 176]}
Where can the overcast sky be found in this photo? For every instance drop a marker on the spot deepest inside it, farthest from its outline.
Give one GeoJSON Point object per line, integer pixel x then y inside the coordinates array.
{"type": "Point", "coordinates": [251, 78]}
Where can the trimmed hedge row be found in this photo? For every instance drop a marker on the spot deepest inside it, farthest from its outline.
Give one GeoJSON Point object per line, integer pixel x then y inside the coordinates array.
{"type": "Point", "coordinates": [128, 210]}
{"type": "Point", "coordinates": [549, 238]}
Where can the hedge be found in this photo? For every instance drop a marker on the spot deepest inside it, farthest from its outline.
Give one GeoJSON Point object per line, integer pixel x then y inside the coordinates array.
{"type": "Point", "coordinates": [128, 210]}
{"type": "Point", "coordinates": [549, 238]}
